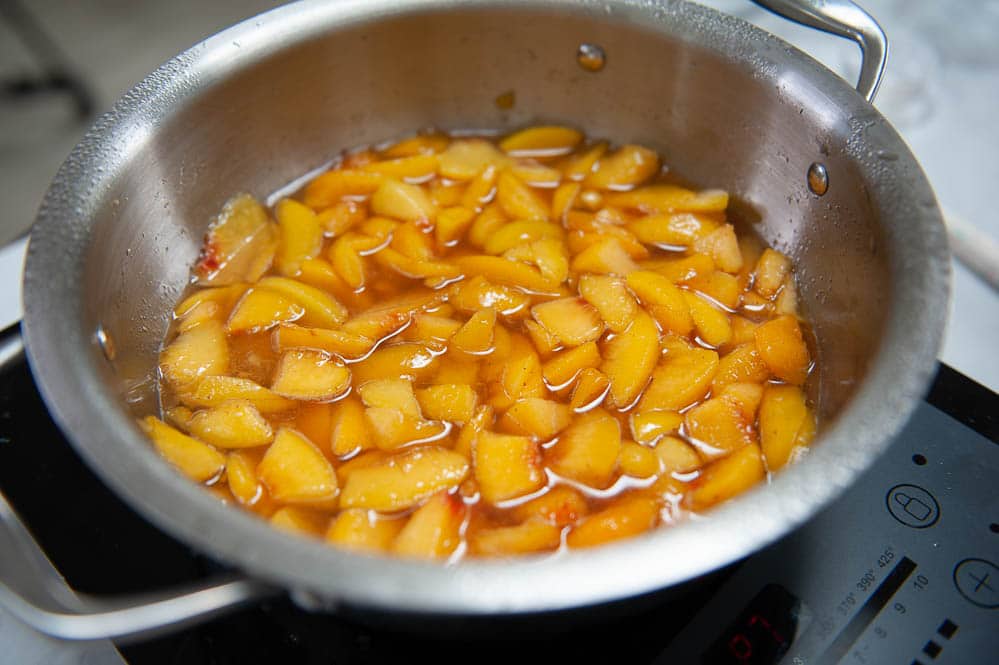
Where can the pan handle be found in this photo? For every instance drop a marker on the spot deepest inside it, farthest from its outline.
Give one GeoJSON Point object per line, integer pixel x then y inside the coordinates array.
{"type": "Point", "coordinates": [34, 591]}
{"type": "Point", "coordinates": [845, 19]}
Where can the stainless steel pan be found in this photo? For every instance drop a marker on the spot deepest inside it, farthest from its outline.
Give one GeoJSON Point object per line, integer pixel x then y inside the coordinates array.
{"type": "Point", "coordinates": [257, 105]}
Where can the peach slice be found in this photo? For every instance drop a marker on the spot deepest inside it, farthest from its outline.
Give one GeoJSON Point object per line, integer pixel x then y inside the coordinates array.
{"type": "Point", "coordinates": [506, 466]}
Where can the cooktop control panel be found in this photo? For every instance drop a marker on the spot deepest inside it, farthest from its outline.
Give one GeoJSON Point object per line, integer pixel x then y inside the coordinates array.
{"type": "Point", "coordinates": [903, 569]}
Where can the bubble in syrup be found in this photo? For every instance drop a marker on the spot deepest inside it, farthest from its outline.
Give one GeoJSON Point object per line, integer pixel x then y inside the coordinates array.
{"type": "Point", "coordinates": [591, 57]}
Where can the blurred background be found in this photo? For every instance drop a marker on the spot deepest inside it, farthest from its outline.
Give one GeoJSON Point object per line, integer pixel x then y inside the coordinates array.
{"type": "Point", "coordinates": [62, 63]}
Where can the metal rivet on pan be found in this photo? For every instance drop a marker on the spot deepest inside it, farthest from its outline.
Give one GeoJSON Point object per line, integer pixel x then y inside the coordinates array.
{"type": "Point", "coordinates": [591, 57]}
{"type": "Point", "coordinates": [818, 179]}
{"type": "Point", "coordinates": [104, 341]}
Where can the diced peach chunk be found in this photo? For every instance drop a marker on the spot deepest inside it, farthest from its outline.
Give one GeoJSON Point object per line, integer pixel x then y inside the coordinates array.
{"type": "Point", "coordinates": [745, 396]}
{"type": "Point", "coordinates": [402, 201]}
{"type": "Point", "coordinates": [294, 470]}
{"type": "Point", "coordinates": [341, 217]}
{"type": "Point", "coordinates": [541, 141]}
{"type": "Point", "coordinates": [321, 309]}
{"type": "Point", "coordinates": [681, 271]}
{"type": "Point", "coordinates": [770, 272]}
{"type": "Point", "coordinates": [223, 297]}
{"type": "Point", "coordinates": [672, 229]}
{"type": "Point", "coordinates": [561, 505]}
{"type": "Point", "coordinates": [578, 166]}
{"type": "Point", "coordinates": [518, 200]}
{"type": "Point", "coordinates": [741, 365]}
{"type": "Point", "coordinates": [587, 450]}
{"type": "Point", "coordinates": [787, 298]}
{"type": "Point", "coordinates": [453, 402]}
{"type": "Point", "coordinates": [301, 236]}
{"type": "Point", "coordinates": [716, 427]}
{"type": "Point", "coordinates": [783, 349]}
{"type": "Point", "coordinates": [677, 456]}
{"type": "Point", "coordinates": [783, 415]}
{"type": "Point", "coordinates": [563, 199]}
{"type": "Point", "coordinates": [563, 367]}
{"type": "Point", "coordinates": [626, 517]}
{"type": "Point", "coordinates": [344, 344]}
{"type": "Point", "coordinates": [239, 245]}
{"type": "Point", "coordinates": [262, 309]}
{"type": "Point", "coordinates": [195, 459]}
{"type": "Point", "coordinates": [404, 479]}
{"type": "Point", "coordinates": [485, 224]}
{"type": "Point", "coordinates": [481, 420]}
{"type": "Point", "coordinates": [477, 293]}
{"type": "Point", "coordinates": [649, 425]}
{"type": "Point", "coordinates": [571, 320]}
{"type": "Point", "coordinates": [711, 323]}
{"type": "Point", "coordinates": [637, 460]}
{"type": "Point", "coordinates": [481, 189]}
{"type": "Point", "coordinates": [434, 530]}
{"type": "Point", "coordinates": [430, 326]}
{"type": "Point", "coordinates": [452, 222]}
{"type": "Point", "coordinates": [460, 369]}
{"type": "Point", "coordinates": [300, 520]}
{"type": "Point", "coordinates": [505, 271]}
{"type": "Point", "coordinates": [547, 254]}
{"type": "Point", "coordinates": [476, 335]}
{"type": "Point", "coordinates": [664, 300]}
{"type": "Point", "coordinates": [241, 476]}
{"type": "Point", "coordinates": [628, 166]}
{"type": "Point", "coordinates": [349, 427]}
{"type": "Point", "coordinates": [591, 387]}
{"type": "Point", "coordinates": [721, 287]}
{"type": "Point", "coordinates": [310, 375]}
{"type": "Point", "coordinates": [199, 352]}
{"type": "Point", "coordinates": [507, 467]}
{"type": "Point", "coordinates": [670, 198]}
{"type": "Point", "coordinates": [392, 428]}
{"type": "Point", "coordinates": [392, 394]}
{"type": "Point", "coordinates": [179, 416]}
{"type": "Point", "coordinates": [545, 342]}
{"type": "Point", "coordinates": [722, 246]}
{"type": "Point", "coordinates": [215, 390]}
{"type": "Point", "coordinates": [610, 297]}
{"type": "Point", "coordinates": [521, 232]}
{"type": "Point", "coordinates": [534, 535]}
{"type": "Point", "coordinates": [465, 159]}
{"type": "Point", "coordinates": [682, 378]}
{"type": "Point", "coordinates": [521, 375]}
{"type": "Point", "coordinates": [347, 262]}
{"type": "Point", "coordinates": [629, 359]}
{"type": "Point", "coordinates": [606, 256]}
{"type": "Point", "coordinates": [233, 424]}
{"type": "Point", "coordinates": [407, 360]}
{"type": "Point", "coordinates": [329, 187]}
{"type": "Point", "coordinates": [727, 477]}
{"type": "Point", "coordinates": [363, 530]}
{"type": "Point", "coordinates": [410, 166]}
{"type": "Point", "coordinates": [538, 418]}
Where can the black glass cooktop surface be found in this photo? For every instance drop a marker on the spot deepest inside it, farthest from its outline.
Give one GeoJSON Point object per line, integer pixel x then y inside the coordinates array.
{"type": "Point", "coordinates": [101, 546]}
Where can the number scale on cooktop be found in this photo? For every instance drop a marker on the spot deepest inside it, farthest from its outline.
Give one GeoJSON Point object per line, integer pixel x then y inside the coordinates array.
{"type": "Point", "coordinates": [902, 569]}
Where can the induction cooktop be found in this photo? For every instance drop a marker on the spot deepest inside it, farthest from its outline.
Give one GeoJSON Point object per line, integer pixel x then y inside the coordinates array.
{"type": "Point", "coordinates": [902, 569]}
